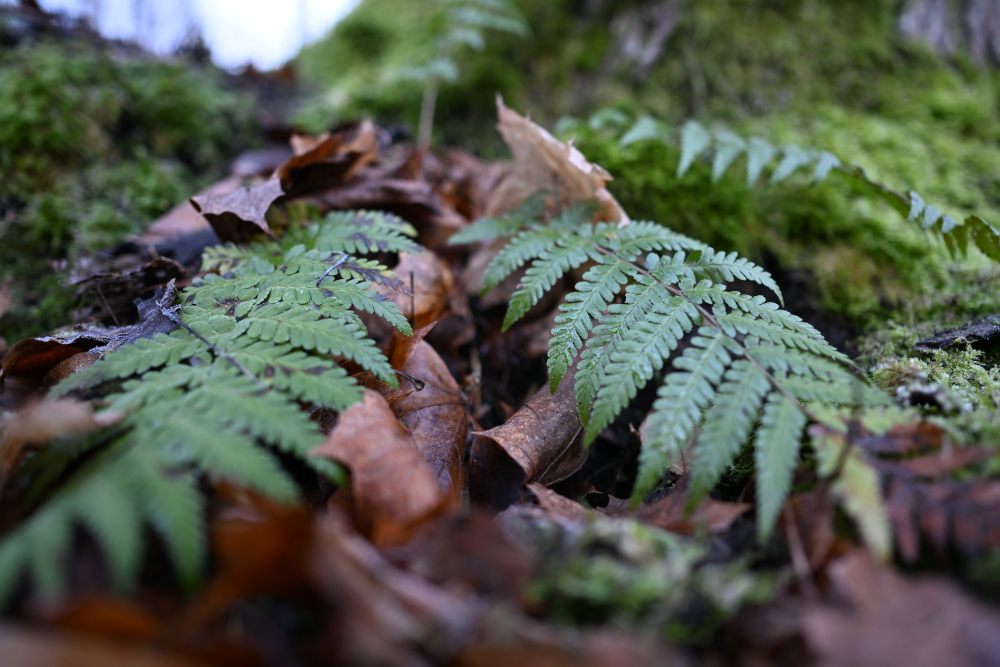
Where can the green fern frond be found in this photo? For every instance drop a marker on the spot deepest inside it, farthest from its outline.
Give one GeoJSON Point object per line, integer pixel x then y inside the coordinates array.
{"type": "Point", "coordinates": [637, 355]}
{"type": "Point", "coordinates": [747, 354]}
{"type": "Point", "coordinates": [724, 147]}
{"type": "Point", "coordinates": [728, 424]}
{"type": "Point", "coordinates": [592, 295]}
{"type": "Point", "coordinates": [776, 452]}
{"type": "Point", "coordinates": [681, 400]}
{"type": "Point", "coordinates": [568, 253]}
{"type": "Point", "coordinates": [211, 397]}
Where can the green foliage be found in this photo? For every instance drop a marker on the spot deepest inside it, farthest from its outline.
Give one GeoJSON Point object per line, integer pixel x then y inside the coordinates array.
{"type": "Point", "coordinates": [202, 404]}
{"type": "Point", "coordinates": [624, 573]}
{"type": "Point", "coordinates": [92, 147]}
{"type": "Point", "coordinates": [724, 147]}
{"type": "Point", "coordinates": [744, 351]}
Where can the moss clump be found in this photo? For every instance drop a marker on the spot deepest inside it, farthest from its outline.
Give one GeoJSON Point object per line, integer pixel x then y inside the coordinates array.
{"type": "Point", "coordinates": [92, 147]}
{"type": "Point", "coordinates": [627, 574]}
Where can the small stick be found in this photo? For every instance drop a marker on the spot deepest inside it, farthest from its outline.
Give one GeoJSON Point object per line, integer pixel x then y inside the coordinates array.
{"type": "Point", "coordinates": [800, 562]}
{"type": "Point", "coordinates": [171, 314]}
{"type": "Point", "coordinates": [343, 258]}
{"type": "Point", "coordinates": [413, 302]}
{"type": "Point", "coordinates": [106, 306]}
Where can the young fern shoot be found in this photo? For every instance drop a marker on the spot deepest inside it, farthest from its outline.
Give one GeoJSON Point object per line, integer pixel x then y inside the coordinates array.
{"type": "Point", "coordinates": [749, 370]}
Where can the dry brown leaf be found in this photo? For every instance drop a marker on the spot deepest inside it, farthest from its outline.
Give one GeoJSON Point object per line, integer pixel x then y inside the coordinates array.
{"type": "Point", "coordinates": [34, 362]}
{"type": "Point", "coordinates": [40, 422]}
{"type": "Point", "coordinates": [394, 489]}
{"type": "Point", "coordinates": [111, 296]}
{"type": "Point", "coordinates": [432, 284]}
{"type": "Point", "coordinates": [436, 417]}
{"type": "Point", "coordinates": [21, 647]}
{"type": "Point", "coordinates": [263, 549]}
{"type": "Point", "coordinates": [468, 554]}
{"type": "Point", "coordinates": [557, 504]}
{"type": "Point", "coordinates": [542, 442]}
{"type": "Point", "coordinates": [543, 162]}
{"type": "Point", "coordinates": [383, 615]}
{"type": "Point", "coordinates": [899, 621]}
{"type": "Point", "coordinates": [239, 215]}
{"type": "Point", "coordinates": [184, 218]}
{"type": "Point", "coordinates": [914, 462]}
{"type": "Point", "coordinates": [27, 362]}
{"type": "Point", "coordinates": [323, 162]}
{"type": "Point", "coordinates": [669, 514]}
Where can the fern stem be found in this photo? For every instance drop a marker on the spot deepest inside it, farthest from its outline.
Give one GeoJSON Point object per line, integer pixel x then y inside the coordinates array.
{"type": "Point", "coordinates": [710, 319]}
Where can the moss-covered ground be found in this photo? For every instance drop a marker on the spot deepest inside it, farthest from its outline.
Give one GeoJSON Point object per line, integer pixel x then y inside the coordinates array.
{"type": "Point", "coordinates": [94, 143]}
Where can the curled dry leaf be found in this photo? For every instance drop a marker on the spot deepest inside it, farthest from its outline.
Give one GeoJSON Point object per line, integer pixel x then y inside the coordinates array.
{"type": "Point", "coordinates": [436, 417]}
{"type": "Point", "coordinates": [667, 513]}
{"type": "Point", "coordinates": [898, 621]}
{"type": "Point", "coordinates": [40, 422]}
{"type": "Point", "coordinates": [238, 216]}
{"type": "Point", "coordinates": [27, 362]}
{"type": "Point", "coordinates": [394, 489]}
{"type": "Point", "coordinates": [34, 362]}
{"type": "Point", "coordinates": [543, 162]}
{"type": "Point", "coordinates": [323, 162]}
{"type": "Point", "coordinates": [542, 442]}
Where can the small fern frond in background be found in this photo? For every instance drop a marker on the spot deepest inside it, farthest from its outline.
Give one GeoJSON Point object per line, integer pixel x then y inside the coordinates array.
{"type": "Point", "coordinates": [723, 147]}
{"type": "Point", "coordinates": [749, 370]}
{"type": "Point", "coordinates": [204, 404]}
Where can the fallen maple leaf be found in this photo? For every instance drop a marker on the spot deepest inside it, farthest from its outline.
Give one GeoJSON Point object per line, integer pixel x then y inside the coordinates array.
{"type": "Point", "coordinates": [542, 442]}
{"type": "Point", "coordinates": [394, 489]}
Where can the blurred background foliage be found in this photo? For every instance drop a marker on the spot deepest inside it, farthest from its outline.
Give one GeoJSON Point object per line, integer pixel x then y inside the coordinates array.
{"type": "Point", "coordinates": [94, 144]}
{"type": "Point", "coordinates": [835, 75]}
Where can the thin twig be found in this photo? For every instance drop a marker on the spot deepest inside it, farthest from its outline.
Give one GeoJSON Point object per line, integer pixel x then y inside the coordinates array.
{"type": "Point", "coordinates": [106, 306]}
{"type": "Point", "coordinates": [800, 562]}
{"type": "Point", "coordinates": [343, 258]}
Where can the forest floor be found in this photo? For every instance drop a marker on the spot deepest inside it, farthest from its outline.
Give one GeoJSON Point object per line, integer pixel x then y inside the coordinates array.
{"type": "Point", "coordinates": [476, 529]}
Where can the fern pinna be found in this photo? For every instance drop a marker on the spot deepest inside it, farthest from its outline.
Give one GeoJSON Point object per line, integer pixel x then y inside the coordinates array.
{"type": "Point", "coordinates": [258, 340]}
{"type": "Point", "coordinates": [749, 369]}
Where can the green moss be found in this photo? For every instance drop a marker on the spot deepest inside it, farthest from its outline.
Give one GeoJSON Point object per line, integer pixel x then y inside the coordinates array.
{"type": "Point", "coordinates": [626, 574]}
{"type": "Point", "coordinates": [92, 148]}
